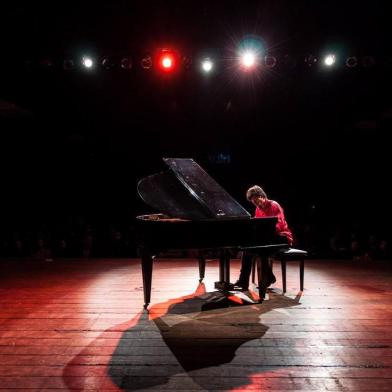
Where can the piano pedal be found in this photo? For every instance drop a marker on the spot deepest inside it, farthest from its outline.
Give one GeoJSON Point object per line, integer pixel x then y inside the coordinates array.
{"type": "Point", "coordinates": [224, 286]}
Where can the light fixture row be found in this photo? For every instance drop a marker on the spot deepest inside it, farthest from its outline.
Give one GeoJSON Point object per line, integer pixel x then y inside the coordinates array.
{"type": "Point", "coordinates": [168, 61]}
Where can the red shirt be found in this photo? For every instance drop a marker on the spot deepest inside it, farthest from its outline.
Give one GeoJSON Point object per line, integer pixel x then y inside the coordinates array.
{"type": "Point", "coordinates": [273, 208]}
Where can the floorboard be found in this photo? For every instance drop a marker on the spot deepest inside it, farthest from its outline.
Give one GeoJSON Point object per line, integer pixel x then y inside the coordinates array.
{"type": "Point", "coordinates": [80, 325]}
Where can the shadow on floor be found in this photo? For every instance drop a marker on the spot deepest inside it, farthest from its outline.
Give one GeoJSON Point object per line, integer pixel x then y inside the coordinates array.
{"type": "Point", "coordinates": [177, 338]}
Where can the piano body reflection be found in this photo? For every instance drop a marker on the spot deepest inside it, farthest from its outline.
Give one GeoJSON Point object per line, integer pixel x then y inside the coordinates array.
{"type": "Point", "coordinates": [195, 212]}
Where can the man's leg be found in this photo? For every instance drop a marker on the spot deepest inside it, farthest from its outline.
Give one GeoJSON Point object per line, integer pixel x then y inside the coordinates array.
{"type": "Point", "coordinates": [265, 276]}
{"type": "Point", "coordinates": [268, 276]}
{"type": "Point", "coordinates": [246, 268]}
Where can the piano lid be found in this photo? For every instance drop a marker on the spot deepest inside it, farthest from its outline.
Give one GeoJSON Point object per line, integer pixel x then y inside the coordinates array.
{"type": "Point", "coordinates": [187, 191]}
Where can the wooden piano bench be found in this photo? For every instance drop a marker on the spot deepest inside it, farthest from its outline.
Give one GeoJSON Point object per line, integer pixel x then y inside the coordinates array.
{"type": "Point", "coordinates": [285, 255]}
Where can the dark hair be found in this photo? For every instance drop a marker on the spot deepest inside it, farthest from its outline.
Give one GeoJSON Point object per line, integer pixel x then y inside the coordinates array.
{"type": "Point", "coordinates": [255, 191]}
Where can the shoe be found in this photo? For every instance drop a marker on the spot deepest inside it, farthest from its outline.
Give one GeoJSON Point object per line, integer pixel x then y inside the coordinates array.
{"type": "Point", "coordinates": [241, 285]}
{"type": "Point", "coordinates": [270, 280]}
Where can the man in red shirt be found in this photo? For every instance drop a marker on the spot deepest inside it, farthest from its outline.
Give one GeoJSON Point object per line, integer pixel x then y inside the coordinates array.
{"type": "Point", "coordinates": [264, 207]}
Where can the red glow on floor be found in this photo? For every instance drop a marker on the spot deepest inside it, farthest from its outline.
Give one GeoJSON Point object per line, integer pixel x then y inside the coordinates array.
{"type": "Point", "coordinates": [161, 309]}
{"type": "Point", "coordinates": [74, 373]}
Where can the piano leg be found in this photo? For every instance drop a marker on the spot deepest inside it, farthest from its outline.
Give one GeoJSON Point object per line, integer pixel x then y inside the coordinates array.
{"type": "Point", "coordinates": [221, 267]}
{"type": "Point", "coordinates": [202, 266]}
{"type": "Point", "coordinates": [226, 258]}
{"type": "Point", "coordinates": [147, 259]}
{"type": "Point", "coordinates": [224, 272]}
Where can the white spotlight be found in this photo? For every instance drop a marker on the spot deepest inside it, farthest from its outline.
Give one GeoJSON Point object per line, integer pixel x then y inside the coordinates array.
{"type": "Point", "coordinates": [87, 62]}
{"type": "Point", "coordinates": [330, 60]}
{"type": "Point", "coordinates": [248, 59]}
{"type": "Point", "coordinates": [207, 65]}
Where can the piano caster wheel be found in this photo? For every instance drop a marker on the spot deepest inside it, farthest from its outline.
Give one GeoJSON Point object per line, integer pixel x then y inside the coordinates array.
{"type": "Point", "coordinates": [200, 280]}
{"type": "Point", "coordinates": [145, 307]}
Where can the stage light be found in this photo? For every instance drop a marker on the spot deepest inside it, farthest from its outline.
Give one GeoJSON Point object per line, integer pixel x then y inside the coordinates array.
{"type": "Point", "coordinates": [126, 63]}
{"type": "Point", "coordinates": [46, 63]}
{"type": "Point", "coordinates": [68, 64]}
{"type": "Point", "coordinates": [351, 62]}
{"type": "Point", "coordinates": [108, 63]}
{"type": "Point", "coordinates": [270, 61]}
{"type": "Point", "coordinates": [310, 60]}
{"type": "Point", "coordinates": [248, 59]}
{"type": "Point", "coordinates": [167, 60]}
{"type": "Point", "coordinates": [330, 60]}
{"type": "Point", "coordinates": [187, 62]}
{"type": "Point", "coordinates": [146, 62]}
{"type": "Point", "coordinates": [250, 52]}
{"type": "Point", "coordinates": [87, 62]}
{"type": "Point", "coordinates": [207, 65]}
{"type": "Point", "coordinates": [368, 61]}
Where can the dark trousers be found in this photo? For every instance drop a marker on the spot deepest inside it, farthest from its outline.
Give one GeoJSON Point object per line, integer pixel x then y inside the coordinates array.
{"type": "Point", "coordinates": [246, 263]}
{"type": "Point", "coordinates": [246, 267]}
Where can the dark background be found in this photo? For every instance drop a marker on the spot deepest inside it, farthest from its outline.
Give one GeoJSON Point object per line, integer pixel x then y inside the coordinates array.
{"type": "Point", "coordinates": [75, 143]}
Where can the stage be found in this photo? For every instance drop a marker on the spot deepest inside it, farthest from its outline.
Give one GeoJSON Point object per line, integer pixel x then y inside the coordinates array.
{"type": "Point", "coordinates": [80, 325]}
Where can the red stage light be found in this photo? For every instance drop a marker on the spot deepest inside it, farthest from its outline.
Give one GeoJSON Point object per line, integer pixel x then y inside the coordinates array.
{"type": "Point", "coordinates": [167, 61]}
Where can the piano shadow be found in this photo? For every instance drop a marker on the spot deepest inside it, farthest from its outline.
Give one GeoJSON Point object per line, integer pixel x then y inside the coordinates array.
{"type": "Point", "coordinates": [183, 340]}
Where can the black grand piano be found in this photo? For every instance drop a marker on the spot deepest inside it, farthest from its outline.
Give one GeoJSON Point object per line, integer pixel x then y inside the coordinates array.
{"type": "Point", "coordinates": [195, 212]}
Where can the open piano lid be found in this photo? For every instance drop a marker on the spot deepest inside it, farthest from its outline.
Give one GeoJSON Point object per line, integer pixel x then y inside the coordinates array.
{"type": "Point", "coordinates": [186, 191]}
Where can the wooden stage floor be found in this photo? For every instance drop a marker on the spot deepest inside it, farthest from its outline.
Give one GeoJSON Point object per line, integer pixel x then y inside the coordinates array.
{"type": "Point", "coordinates": [79, 325]}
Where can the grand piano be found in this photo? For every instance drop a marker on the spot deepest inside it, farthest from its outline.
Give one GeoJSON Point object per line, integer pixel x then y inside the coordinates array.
{"type": "Point", "coordinates": [195, 212]}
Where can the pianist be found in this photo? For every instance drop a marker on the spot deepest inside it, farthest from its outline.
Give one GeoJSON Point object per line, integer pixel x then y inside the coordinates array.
{"type": "Point", "coordinates": [264, 208]}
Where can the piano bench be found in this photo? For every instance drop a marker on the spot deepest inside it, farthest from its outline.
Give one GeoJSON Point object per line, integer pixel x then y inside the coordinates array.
{"type": "Point", "coordinates": [285, 255]}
